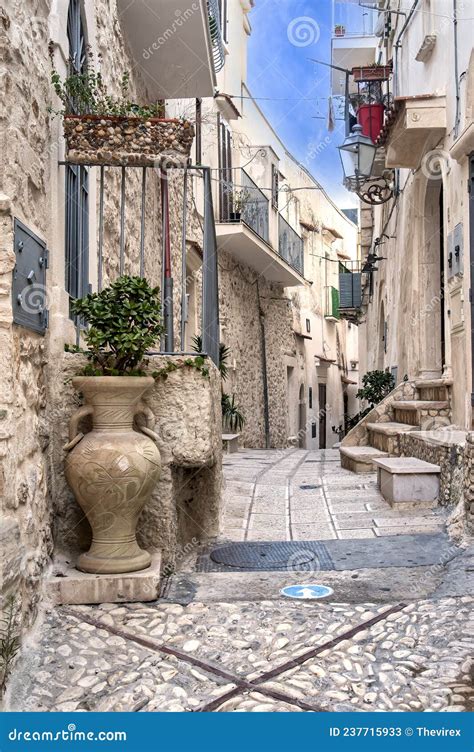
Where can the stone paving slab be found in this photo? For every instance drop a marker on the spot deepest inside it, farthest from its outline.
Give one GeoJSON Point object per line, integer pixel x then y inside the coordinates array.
{"type": "Point", "coordinates": [361, 585]}
{"type": "Point", "coordinates": [302, 494]}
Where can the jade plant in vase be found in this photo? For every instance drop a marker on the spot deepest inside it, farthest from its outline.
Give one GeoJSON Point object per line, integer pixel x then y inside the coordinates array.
{"type": "Point", "coordinates": [101, 128]}
{"type": "Point", "coordinates": [113, 469]}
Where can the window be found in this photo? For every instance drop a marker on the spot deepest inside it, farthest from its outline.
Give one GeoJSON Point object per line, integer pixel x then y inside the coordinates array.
{"type": "Point", "coordinates": [77, 177]}
{"type": "Point", "coordinates": [308, 325]}
{"type": "Point", "coordinates": [275, 187]}
{"type": "Point", "coordinates": [223, 17]}
{"type": "Point", "coordinates": [225, 169]}
{"type": "Point", "coordinates": [310, 397]}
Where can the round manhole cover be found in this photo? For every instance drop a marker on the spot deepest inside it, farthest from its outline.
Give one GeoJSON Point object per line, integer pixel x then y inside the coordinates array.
{"type": "Point", "coordinates": [262, 556]}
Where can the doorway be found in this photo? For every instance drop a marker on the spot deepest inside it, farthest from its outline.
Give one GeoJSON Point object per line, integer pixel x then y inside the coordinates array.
{"type": "Point", "coordinates": [302, 418]}
{"type": "Point", "coordinates": [432, 273]}
{"type": "Point", "coordinates": [322, 415]}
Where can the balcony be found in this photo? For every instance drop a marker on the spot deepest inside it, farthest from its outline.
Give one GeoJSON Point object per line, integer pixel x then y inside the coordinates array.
{"type": "Point", "coordinates": [413, 127]}
{"type": "Point", "coordinates": [243, 230]}
{"type": "Point", "coordinates": [179, 52]}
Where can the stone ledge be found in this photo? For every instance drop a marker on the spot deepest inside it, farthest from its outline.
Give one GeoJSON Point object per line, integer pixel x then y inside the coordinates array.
{"type": "Point", "coordinates": [390, 429]}
{"type": "Point", "coordinates": [80, 588]}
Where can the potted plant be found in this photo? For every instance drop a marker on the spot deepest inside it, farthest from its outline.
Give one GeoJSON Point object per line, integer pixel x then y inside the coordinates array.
{"type": "Point", "coordinates": [339, 30]}
{"type": "Point", "coordinates": [232, 417]}
{"type": "Point", "coordinates": [113, 469]}
{"type": "Point", "coordinates": [238, 202]}
{"type": "Point", "coordinates": [102, 129]}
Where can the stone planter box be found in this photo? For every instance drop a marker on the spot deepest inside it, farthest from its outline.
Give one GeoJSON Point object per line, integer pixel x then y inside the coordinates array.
{"type": "Point", "coordinates": [135, 141]}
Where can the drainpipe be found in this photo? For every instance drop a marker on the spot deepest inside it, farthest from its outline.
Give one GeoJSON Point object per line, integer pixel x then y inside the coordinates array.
{"type": "Point", "coordinates": [398, 44]}
{"type": "Point", "coordinates": [456, 71]}
{"type": "Point", "coordinates": [266, 411]}
{"type": "Point", "coordinates": [167, 291]}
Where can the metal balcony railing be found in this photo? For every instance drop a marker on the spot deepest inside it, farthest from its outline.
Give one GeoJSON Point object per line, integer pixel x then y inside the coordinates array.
{"type": "Point", "coordinates": [290, 245]}
{"type": "Point", "coordinates": [215, 30]}
{"type": "Point", "coordinates": [241, 200]}
{"type": "Point", "coordinates": [123, 247]}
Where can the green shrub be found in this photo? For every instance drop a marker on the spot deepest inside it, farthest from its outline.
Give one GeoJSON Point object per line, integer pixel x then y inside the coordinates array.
{"type": "Point", "coordinates": [124, 322]}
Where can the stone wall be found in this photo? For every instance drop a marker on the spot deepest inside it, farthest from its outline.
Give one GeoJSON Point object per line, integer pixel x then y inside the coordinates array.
{"type": "Point", "coordinates": [185, 502]}
{"type": "Point", "coordinates": [246, 301]}
{"type": "Point", "coordinates": [32, 184]}
{"type": "Point", "coordinates": [469, 483]}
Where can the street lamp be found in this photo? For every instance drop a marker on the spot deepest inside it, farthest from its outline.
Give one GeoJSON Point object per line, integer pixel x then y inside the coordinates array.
{"type": "Point", "coordinates": [357, 157]}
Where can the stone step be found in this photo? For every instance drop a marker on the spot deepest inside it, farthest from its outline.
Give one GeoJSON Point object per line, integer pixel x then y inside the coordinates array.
{"type": "Point", "coordinates": [420, 404]}
{"type": "Point", "coordinates": [359, 459]}
{"type": "Point", "coordinates": [433, 389]}
{"type": "Point", "coordinates": [384, 436]}
{"type": "Point", "coordinates": [419, 412]}
{"type": "Point", "coordinates": [407, 480]}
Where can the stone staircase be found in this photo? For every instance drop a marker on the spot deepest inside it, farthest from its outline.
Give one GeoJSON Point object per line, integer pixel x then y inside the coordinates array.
{"type": "Point", "coordinates": [430, 408]}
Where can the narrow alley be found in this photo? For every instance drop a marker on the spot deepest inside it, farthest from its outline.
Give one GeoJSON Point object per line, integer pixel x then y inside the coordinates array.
{"type": "Point", "coordinates": [395, 634]}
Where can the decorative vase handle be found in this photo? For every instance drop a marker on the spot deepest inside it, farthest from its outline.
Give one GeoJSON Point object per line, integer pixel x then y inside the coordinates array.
{"type": "Point", "coordinates": [76, 436]}
{"type": "Point", "coordinates": [149, 420]}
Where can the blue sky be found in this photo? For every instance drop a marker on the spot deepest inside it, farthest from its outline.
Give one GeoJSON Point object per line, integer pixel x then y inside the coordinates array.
{"type": "Point", "coordinates": [279, 68]}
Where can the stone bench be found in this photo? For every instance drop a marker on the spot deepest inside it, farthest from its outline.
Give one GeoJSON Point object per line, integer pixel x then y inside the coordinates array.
{"type": "Point", "coordinates": [230, 442]}
{"type": "Point", "coordinates": [405, 480]}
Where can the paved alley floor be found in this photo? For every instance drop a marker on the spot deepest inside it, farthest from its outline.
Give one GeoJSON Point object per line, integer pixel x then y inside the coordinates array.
{"type": "Point", "coordinates": [396, 634]}
{"type": "Point", "coordinates": [300, 495]}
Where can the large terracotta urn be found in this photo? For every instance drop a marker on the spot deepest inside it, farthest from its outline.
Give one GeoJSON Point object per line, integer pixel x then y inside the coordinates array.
{"type": "Point", "coordinates": [112, 469]}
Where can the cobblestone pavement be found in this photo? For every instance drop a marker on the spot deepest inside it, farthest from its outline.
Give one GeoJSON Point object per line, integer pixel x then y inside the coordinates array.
{"type": "Point", "coordinates": [247, 653]}
{"type": "Point", "coordinates": [299, 495]}
{"type": "Point", "coordinates": [266, 656]}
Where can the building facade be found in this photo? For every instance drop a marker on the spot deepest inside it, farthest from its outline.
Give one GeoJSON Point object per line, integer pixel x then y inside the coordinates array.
{"type": "Point", "coordinates": [281, 244]}
{"type": "Point", "coordinates": [417, 322]}
{"type": "Point", "coordinates": [69, 228]}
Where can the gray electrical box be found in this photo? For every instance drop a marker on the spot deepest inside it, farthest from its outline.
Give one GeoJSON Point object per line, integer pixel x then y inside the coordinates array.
{"type": "Point", "coordinates": [29, 279]}
{"type": "Point", "coordinates": [456, 251]}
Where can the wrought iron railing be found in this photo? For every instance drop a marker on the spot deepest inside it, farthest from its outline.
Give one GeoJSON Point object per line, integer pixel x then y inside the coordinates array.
{"type": "Point", "coordinates": [215, 30]}
{"type": "Point", "coordinates": [290, 245]}
{"type": "Point", "coordinates": [243, 201]}
{"type": "Point", "coordinates": [125, 236]}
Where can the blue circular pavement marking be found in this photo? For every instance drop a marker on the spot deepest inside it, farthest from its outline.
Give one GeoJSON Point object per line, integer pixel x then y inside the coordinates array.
{"type": "Point", "coordinates": [306, 592]}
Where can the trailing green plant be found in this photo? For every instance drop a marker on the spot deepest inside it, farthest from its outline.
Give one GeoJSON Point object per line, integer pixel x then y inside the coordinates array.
{"type": "Point", "coordinates": [231, 413]}
{"type": "Point", "coordinates": [376, 386]}
{"type": "Point", "coordinates": [124, 322]}
{"type": "Point", "coordinates": [9, 642]}
{"type": "Point", "coordinates": [85, 92]}
{"type": "Point", "coordinates": [199, 363]}
{"type": "Point", "coordinates": [224, 355]}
